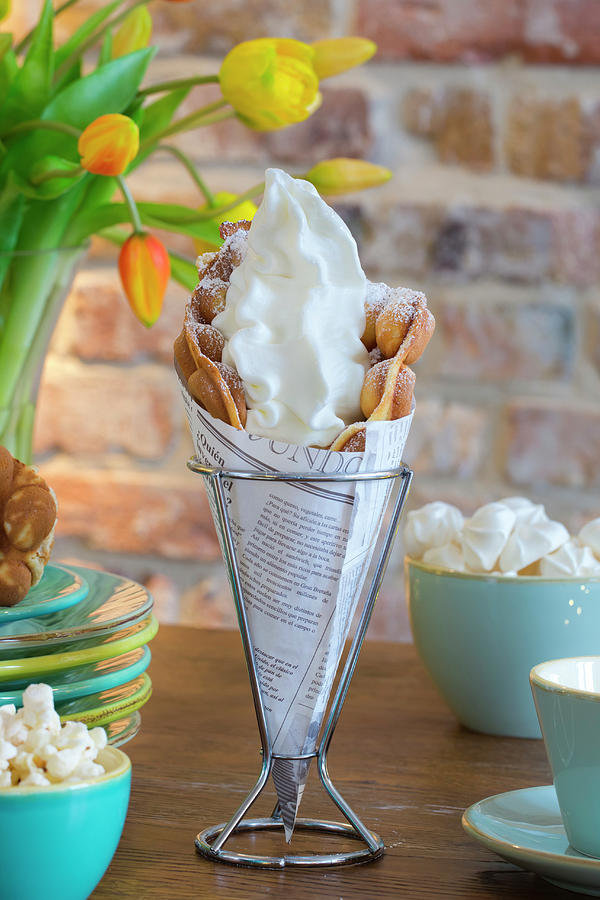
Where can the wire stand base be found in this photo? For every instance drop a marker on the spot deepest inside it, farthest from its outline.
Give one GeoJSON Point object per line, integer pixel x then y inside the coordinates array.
{"type": "Point", "coordinates": [210, 842]}
{"type": "Point", "coordinates": [203, 846]}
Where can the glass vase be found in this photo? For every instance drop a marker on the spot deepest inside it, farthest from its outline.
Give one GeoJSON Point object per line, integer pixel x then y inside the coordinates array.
{"type": "Point", "coordinates": [33, 287]}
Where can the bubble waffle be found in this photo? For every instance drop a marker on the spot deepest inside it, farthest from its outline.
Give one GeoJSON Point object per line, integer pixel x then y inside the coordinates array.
{"type": "Point", "coordinates": [199, 346]}
{"type": "Point", "coordinates": [397, 329]}
{"type": "Point", "coordinates": [28, 509]}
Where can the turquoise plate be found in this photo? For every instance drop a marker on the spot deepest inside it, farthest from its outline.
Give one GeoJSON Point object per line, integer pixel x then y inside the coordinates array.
{"type": "Point", "coordinates": [58, 589]}
{"type": "Point", "coordinates": [112, 602]}
{"type": "Point", "coordinates": [84, 680]}
{"type": "Point", "coordinates": [525, 827]}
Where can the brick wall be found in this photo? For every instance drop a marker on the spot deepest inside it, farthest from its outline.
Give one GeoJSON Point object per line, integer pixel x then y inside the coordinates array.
{"type": "Point", "coordinates": [489, 115]}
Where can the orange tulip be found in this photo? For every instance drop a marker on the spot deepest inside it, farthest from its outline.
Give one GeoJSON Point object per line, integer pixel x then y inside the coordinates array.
{"type": "Point", "coordinates": [145, 268]}
{"type": "Point", "coordinates": [108, 144]}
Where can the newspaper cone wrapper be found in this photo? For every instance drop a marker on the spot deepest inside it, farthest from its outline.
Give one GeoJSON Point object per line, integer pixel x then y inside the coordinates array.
{"type": "Point", "coordinates": [303, 552]}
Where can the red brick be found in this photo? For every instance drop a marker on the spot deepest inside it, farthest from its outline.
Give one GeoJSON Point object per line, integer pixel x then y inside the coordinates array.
{"type": "Point", "coordinates": [459, 121]}
{"type": "Point", "coordinates": [400, 238]}
{"type": "Point", "coordinates": [447, 30]}
{"type": "Point", "coordinates": [339, 128]}
{"type": "Point", "coordinates": [576, 246]}
{"type": "Point", "coordinates": [98, 324]}
{"type": "Point", "coordinates": [593, 332]}
{"type": "Point", "coordinates": [98, 409]}
{"type": "Point", "coordinates": [547, 138]}
{"type": "Point", "coordinates": [216, 27]}
{"type": "Point", "coordinates": [446, 439]}
{"type": "Point", "coordinates": [134, 512]}
{"type": "Point", "coordinates": [457, 30]}
{"type": "Point", "coordinates": [495, 338]}
{"type": "Point", "coordinates": [553, 443]}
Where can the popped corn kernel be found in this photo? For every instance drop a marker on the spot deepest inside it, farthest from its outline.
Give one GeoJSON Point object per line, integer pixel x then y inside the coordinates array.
{"type": "Point", "coordinates": [37, 750]}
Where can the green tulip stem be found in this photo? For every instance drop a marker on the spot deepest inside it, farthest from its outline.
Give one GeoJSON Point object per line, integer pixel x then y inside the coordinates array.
{"type": "Point", "coordinates": [133, 210]}
{"type": "Point", "coordinates": [178, 83]}
{"type": "Point", "coordinates": [33, 124]}
{"type": "Point", "coordinates": [94, 38]}
{"type": "Point", "coordinates": [55, 173]}
{"type": "Point", "coordinates": [199, 117]}
{"type": "Point", "coordinates": [191, 169]}
{"type": "Point", "coordinates": [247, 195]}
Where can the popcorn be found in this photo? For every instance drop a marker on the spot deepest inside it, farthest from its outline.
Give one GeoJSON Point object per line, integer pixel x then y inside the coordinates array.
{"type": "Point", "coordinates": [36, 751]}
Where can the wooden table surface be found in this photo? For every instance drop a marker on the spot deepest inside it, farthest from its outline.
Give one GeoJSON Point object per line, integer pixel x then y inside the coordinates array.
{"type": "Point", "coordinates": [398, 756]}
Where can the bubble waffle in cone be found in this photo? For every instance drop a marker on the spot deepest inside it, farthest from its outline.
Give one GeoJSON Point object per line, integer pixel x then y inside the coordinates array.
{"type": "Point", "coordinates": [398, 328]}
{"type": "Point", "coordinates": [28, 510]}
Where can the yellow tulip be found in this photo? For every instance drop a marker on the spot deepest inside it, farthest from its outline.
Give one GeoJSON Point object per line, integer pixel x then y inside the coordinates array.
{"type": "Point", "coordinates": [134, 33]}
{"type": "Point", "coordinates": [338, 54]}
{"type": "Point", "coordinates": [341, 175]}
{"type": "Point", "coordinates": [108, 144]}
{"type": "Point", "coordinates": [244, 210]}
{"type": "Point", "coordinates": [270, 82]}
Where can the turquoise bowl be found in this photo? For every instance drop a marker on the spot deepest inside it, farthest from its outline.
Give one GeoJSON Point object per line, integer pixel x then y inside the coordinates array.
{"type": "Point", "coordinates": [58, 841]}
{"type": "Point", "coordinates": [567, 698]}
{"type": "Point", "coordinates": [480, 635]}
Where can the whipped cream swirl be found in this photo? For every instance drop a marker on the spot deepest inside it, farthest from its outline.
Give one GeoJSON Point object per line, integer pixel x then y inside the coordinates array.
{"type": "Point", "coordinates": [294, 316]}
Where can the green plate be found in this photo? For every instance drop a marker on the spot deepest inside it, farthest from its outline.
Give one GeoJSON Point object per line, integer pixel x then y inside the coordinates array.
{"type": "Point", "coordinates": [85, 680]}
{"type": "Point", "coordinates": [111, 603]}
{"type": "Point", "coordinates": [58, 589]}
{"type": "Point", "coordinates": [106, 647]}
{"type": "Point", "coordinates": [108, 706]}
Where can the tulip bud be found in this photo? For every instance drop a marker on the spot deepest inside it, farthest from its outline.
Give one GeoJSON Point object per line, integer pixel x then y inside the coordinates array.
{"type": "Point", "coordinates": [341, 175]}
{"type": "Point", "coordinates": [4, 9]}
{"type": "Point", "coordinates": [108, 144]}
{"type": "Point", "coordinates": [134, 33]}
{"type": "Point", "coordinates": [244, 210]}
{"type": "Point", "coordinates": [145, 268]}
{"type": "Point", "coordinates": [338, 54]}
{"type": "Point", "coordinates": [270, 82]}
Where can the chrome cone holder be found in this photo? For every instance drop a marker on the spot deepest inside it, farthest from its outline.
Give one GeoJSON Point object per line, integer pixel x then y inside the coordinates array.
{"type": "Point", "coordinates": [210, 842]}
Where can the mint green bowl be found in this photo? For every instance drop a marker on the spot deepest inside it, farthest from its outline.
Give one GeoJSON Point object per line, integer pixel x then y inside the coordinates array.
{"type": "Point", "coordinates": [58, 841]}
{"type": "Point", "coordinates": [479, 636]}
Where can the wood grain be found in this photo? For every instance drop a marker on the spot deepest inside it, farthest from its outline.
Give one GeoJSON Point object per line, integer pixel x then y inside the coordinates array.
{"type": "Point", "coordinates": [398, 756]}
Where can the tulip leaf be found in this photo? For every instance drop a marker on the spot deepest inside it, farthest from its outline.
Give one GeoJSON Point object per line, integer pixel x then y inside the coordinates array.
{"type": "Point", "coordinates": [94, 220]}
{"type": "Point", "coordinates": [72, 74]}
{"type": "Point", "coordinates": [30, 89]}
{"type": "Point", "coordinates": [12, 208]}
{"type": "Point", "coordinates": [8, 64]}
{"type": "Point", "coordinates": [183, 271]}
{"type": "Point", "coordinates": [84, 31]}
{"type": "Point", "coordinates": [109, 89]}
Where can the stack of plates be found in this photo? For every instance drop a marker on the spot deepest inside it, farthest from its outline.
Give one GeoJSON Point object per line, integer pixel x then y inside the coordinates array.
{"type": "Point", "coordinates": [85, 633]}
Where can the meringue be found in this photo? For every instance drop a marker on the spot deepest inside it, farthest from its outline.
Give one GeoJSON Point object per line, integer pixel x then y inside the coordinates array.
{"type": "Point", "coordinates": [433, 525]}
{"type": "Point", "coordinates": [590, 535]}
{"type": "Point", "coordinates": [530, 542]}
{"type": "Point", "coordinates": [485, 535]}
{"type": "Point", "coordinates": [524, 509]}
{"type": "Point", "coordinates": [572, 558]}
{"type": "Point", "coordinates": [448, 556]}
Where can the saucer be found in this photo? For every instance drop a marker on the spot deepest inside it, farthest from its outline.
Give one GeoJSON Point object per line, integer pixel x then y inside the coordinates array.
{"type": "Point", "coordinates": [525, 827]}
{"type": "Point", "coordinates": [58, 589]}
{"type": "Point", "coordinates": [107, 706]}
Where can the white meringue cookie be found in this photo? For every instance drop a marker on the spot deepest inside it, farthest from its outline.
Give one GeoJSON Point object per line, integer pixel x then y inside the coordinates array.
{"type": "Point", "coordinates": [448, 556]}
{"type": "Point", "coordinates": [485, 535]}
{"type": "Point", "coordinates": [531, 541]}
{"type": "Point", "coordinates": [590, 535]}
{"type": "Point", "coordinates": [524, 509]}
{"type": "Point", "coordinates": [431, 526]}
{"type": "Point", "coordinates": [572, 558]}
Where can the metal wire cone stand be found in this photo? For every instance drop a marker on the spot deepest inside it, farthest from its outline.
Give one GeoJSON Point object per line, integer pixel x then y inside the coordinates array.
{"type": "Point", "coordinates": [210, 842]}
